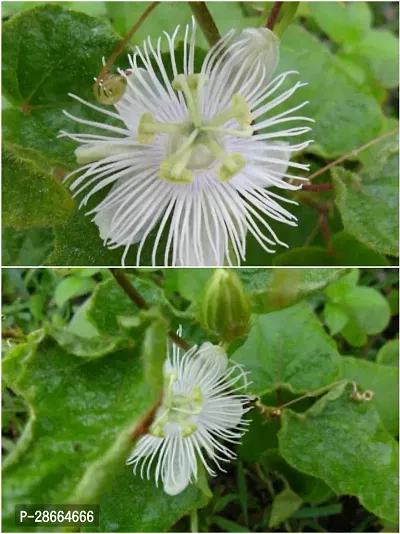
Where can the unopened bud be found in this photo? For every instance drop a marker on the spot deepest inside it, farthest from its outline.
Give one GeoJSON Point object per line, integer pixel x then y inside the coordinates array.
{"type": "Point", "coordinates": [225, 309]}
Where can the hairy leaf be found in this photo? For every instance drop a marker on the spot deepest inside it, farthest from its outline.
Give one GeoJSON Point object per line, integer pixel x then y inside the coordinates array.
{"type": "Point", "coordinates": [344, 442]}
{"type": "Point", "coordinates": [289, 349]}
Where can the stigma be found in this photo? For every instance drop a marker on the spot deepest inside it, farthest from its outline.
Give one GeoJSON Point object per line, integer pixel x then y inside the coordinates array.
{"type": "Point", "coordinates": [198, 142]}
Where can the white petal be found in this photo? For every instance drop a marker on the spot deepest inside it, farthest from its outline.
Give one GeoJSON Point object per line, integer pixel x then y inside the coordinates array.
{"type": "Point", "coordinates": [224, 412]}
{"type": "Point", "coordinates": [260, 45]}
{"type": "Point", "coordinates": [132, 214]}
{"type": "Point", "coordinates": [252, 57]}
{"type": "Point", "coordinates": [201, 242]}
{"type": "Point", "coordinates": [208, 365]}
{"type": "Point", "coordinates": [89, 152]}
{"type": "Point", "coordinates": [103, 220]}
{"type": "Point", "coordinates": [177, 468]}
{"type": "Point", "coordinates": [140, 88]}
{"type": "Point", "coordinates": [278, 167]}
{"type": "Point", "coordinates": [211, 355]}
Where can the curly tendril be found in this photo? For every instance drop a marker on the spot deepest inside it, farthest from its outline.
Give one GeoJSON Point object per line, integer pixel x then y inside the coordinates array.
{"type": "Point", "coordinates": [110, 89]}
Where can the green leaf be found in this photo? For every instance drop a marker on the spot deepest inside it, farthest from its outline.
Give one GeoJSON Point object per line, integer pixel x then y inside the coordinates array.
{"type": "Point", "coordinates": [311, 490]}
{"type": "Point", "coordinates": [393, 300]}
{"type": "Point", "coordinates": [93, 347]}
{"type": "Point", "coordinates": [90, 8]}
{"type": "Point", "coordinates": [188, 282]}
{"type": "Point", "coordinates": [73, 452]}
{"type": "Point", "coordinates": [335, 317]}
{"type": "Point", "coordinates": [351, 118]}
{"type": "Point", "coordinates": [349, 251]}
{"type": "Point", "coordinates": [380, 48]}
{"type": "Point", "coordinates": [32, 197]}
{"type": "Point", "coordinates": [304, 256]}
{"type": "Point", "coordinates": [369, 308]}
{"type": "Point", "coordinates": [39, 71]}
{"type": "Point", "coordinates": [344, 443]}
{"type": "Point", "coordinates": [109, 301]}
{"type": "Point", "coordinates": [353, 333]}
{"type": "Point", "coordinates": [346, 250]}
{"type": "Point", "coordinates": [289, 349]}
{"type": "Point", "coordinates": [26, 247]}
{"type": "Point", "coordinates": [368, 205]}
{"type": "Point", "coordinates": [80, 325]}
{"type": "Point", "coordinates": [260, 437]}
{"type": "Point", "coordinates": [343, 23]}
{"type": "Point", "coordinates": [375, 157]}
{"type": "Point", "coordinates": [274, 289]}
{"type": "Point", "coordinates": [389, 353]}
{"type": "Point", "coordinates": [168, 15]}
{"type": "Point", "coordinates": [71, 287]}
{"type": "Point", "coordinates": [383, 381]}
{"type": "Point", "coordinates": [137, 505]}
{"type": "Point", "coordinates": [340, 288]}
{"type": "Point", "coordinates": [165, 17]}
{"type": "Point", "coordinates": [283, 506]}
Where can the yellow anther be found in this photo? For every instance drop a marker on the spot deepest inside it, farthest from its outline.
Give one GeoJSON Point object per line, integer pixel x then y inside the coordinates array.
{"type": "Point", "coordinates": [231, 167]}
{"type": "Point", "coordinates": [196, 80]}
{"type": "Point", "coordinates": [149, 126]}
{"type": "Point", "coordinates": [239, 111]}
{"type": "Point", "coordinates": [242, 110]}
{"type": "Point", "coordinates": [169, 173]}
{"type": "Point", "coordinates": [146, 131]}
{"type": "Point", "coordinates": [188, 429]}
{"type": "Point", "coordinates": [157, 431]}
{"type": "Point", "coordinates": [197, 394]}
{"type": "Point", "coordinates": [231, 163]}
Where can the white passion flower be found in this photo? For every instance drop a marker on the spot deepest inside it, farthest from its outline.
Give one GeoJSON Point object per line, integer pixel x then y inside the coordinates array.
{"type": "Point", "coordinates": [193, 155]}
{"type": "Point", "coordinates": [201, 407]}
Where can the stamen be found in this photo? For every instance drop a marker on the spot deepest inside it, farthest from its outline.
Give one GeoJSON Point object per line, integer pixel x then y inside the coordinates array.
{"type": "Point", "coordinates": [174, 168]}
{"type": "Point", "coordinates": [181, 83]}
{"type": "Point", "coordinates": [188, 429]}
{"type": "Point", "coordinates": [231, 163]}
{"type": "Point", "coordinates": [239, 111]}
{"type": "Point", "coordinates": [148, 127]}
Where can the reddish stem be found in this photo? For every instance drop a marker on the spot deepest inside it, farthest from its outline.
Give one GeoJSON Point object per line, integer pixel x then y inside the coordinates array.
{"type": "Point", "coordinates": [318, 187]}
{"type": "Point", "coordinates": [273, 15]}
{"type": "Point", "coordinates": [326, 233]}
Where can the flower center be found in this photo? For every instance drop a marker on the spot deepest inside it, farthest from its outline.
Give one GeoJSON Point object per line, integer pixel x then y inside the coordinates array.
{"type": "Point", "coordinates": [177, 409]}
{"type": "Point", "coordinates": [196, 143]}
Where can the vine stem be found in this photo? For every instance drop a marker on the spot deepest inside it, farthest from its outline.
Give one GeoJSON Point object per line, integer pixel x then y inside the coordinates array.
{"type": "Point", "coordinates": [273, 15]}
{"type": "Point", "coordinates": [315, 392]}
{"type": "Point", "coordinates": [121, 46]}
{"type": "Point", "coordinates": [144, 424]}
{"type": "Point", "coordinates": [206, 22]}
{"type": "Point", "coordinates": [352, 153]}
{"type": "Point", "coordinates": [318, 187]}
{"type": "Point", "coordinates": [194, 521]}
{"type": "Point", "coordinates": [139, 301]}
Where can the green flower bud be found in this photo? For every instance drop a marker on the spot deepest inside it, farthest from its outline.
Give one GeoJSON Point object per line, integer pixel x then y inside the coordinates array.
{"type": "Point", "coordinates": [225, 309]}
